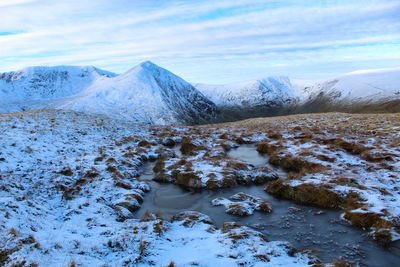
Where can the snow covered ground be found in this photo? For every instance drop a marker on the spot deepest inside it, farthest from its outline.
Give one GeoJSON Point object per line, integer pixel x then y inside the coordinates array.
{"type": "Point", "coordinates": [242, 204]}
{"type": "Point", "coordinates": [337, 161]}
{"type": "Point", "coordinates": [69, 187]}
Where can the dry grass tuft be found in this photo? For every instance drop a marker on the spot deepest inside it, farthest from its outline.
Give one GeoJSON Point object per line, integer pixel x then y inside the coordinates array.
{"type": "Point", "coordinates": [296, 164]}
{"type": "Point", "coordinates": [227, 226]}
{"type": "Point", "coordinates": [307, 194]}
{"type": "Point", "coordinates": [189, 180]}
{"type": "Point", "coordinates": [342, 263]}
{"type": "Point", "coordinates": [190, 148]}
{"type": "Point", "coordinates": [66, 171]}
{"type": "Point", "coordinates": [265, 147]}
{"type": "Point", "coordinates": [351, 147]}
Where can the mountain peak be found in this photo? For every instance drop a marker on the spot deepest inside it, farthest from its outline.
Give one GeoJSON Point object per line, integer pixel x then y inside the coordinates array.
{"type": "Point", "coordinates": [148, 63]}
{"type": "Point", "coordinates": [144, 66]}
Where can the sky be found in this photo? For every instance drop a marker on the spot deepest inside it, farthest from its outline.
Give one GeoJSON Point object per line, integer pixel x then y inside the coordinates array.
{"type": "Point", "coordinates": [203, 41]}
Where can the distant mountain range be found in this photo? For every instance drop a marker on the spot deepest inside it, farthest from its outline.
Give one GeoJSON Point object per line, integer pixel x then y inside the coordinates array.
{"type": "Point", "coordinates": [360, 91]}
{"type": "Point", "coordinates": [150, 94]}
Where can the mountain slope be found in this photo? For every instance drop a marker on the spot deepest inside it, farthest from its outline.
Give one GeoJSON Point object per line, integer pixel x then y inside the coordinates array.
{"type": "Point", "coordinates": [145, 94]}
{"type": "Point", "coordinates": [150, 94]}
{"type": "Point", "coordinates": [367, 85]}
{"type": "Point", "coordinates": [360, 91]}
{"type": "Point", "coordinates": [22, 89]}
{"type": "Point", "coordinates": [270, 91]}
{"type": "Point", "coordinates": [48, 82]}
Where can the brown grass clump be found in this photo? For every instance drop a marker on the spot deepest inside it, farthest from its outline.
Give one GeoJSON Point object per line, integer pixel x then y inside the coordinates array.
{"type": "Point", "coordinates": [129, 155]}
{"type": "Point", "coordinates": [69, 192]}
{"type": "Point", "coordinates": [296, 164]}
{"type": "Point", "coordinates": [225, 146]}
{"type": "Point", "coordinates": [325, 158]}
{"type": "Point", "coordinates": [351, 147]}
{"type": "Point", "coordinates": [342, 263]}
{"type": "Point", "coordinates": [228, 181]}
{"type": "Point", "coordinates": [304, 135]}
{"type": "Point", "coordinates": [241, 140]}
{"type": "Point", "coordinates": [265, 147]}
{"type": "Point", "coordinates": [307, 194]}
{"type": "Point", "coordinates": [162, 178]}
{"type": "Point", "coordinates": [13, 232]}
{"type": "Point", "coordinates": [180, 163]}
{"type": "Point", "coordinates": [238, 235]}
{"type": "Point", "coordinates": [227, 226]}
{"type": "Point", "coordinates": [262, 257]}
{"type": "Point", "coordinates": [367, 220]}
{"type": "Point", "coordinates": [274, 135]}
{"type": "Point", "coordinates": [123, 185]}
{"type": "Point", "coordinates": [128, 139]}
{"type": "Point", "coordinates": [343, 180]}
{"type": "Point", "coordinates": [111, 160]}
{"type": "Point", "coordinates": [98, 159]}
{"type": "Point", "coordinates": [212, 183]}
{"type": "Point", "coordinates": [149, 216]}
{"type": "Point", "coordinates": [144, 143]}
{"type": "Point", "coordinates": [265, 206]}
{"type": "Point", "coordinates": [92, 173]}
{"type": "Point", "coordinates": [189, 218]}
{"type": "Point", "coordinates": [160, 165]}
{"type": "Point", "coordinates": [236, 165]}
{"type": "Point", "coordinates": [76, 187]}
{"type": "Point", "coordinates": [223, 136]}
{"type": "Point", "coordinates": [376, 156]}
{"type": "Point", "coordinates": [383, 237]}
{"type": "Point", "coordinates": [136, 196]}
{"type": "Point", "coordinates": [66, 171]}
{"type": "Point", "coordinates": [189, 148]}
{"type": "Point", "coordinates": [159, 227]}
{"type": "Point", "coordinates": [111, 169]}
{"type": "Point", "coordinates": [188, 179]}
{"type": "Point", "coordinates": [237, 209]}
{"type": "Point", "coordinates": [169, 142]}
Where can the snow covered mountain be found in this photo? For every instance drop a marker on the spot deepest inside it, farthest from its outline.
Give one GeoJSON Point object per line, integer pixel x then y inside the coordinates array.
{"type": "Point", "coordinates": [360, 86]}
{"type": "Point", "coordinates": [371, 90]}
{"type": "Point", "coordinates": [150, 94]}
{"type": "Point", "coordinates": [147, 93]}
{"type": "Point", "coordinates": [34, 86]}
{"type": "Point", "coordinates": [271, 91]}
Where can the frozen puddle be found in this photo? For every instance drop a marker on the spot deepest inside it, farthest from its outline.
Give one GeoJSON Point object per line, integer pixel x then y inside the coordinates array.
{"type": "Point", "coordinates": [305, 227]}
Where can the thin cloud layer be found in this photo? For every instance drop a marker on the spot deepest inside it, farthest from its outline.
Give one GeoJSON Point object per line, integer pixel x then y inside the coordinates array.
{"type": "Point", "coordinates": [210, 41]}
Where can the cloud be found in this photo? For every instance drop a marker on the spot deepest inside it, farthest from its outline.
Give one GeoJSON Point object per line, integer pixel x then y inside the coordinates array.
{"type": "Point", "coordinates": [5, 3]}
{"type": "Point", "coordinates": [206, 41]}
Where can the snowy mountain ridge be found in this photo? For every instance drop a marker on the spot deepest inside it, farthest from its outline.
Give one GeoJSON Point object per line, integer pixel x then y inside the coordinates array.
{"type": "Point", "coordinates": [146, 93]}
{"type": "Point", "coordinates": [282, 91]}
{"type": "Point", "coordinates": [150, 94]}
{"type": "Point", "coordinates": [49, 82]}
{"type": "Point", "coordinates": [362, 85]}
{"type": "Point", "coordinates": [272, 91]}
